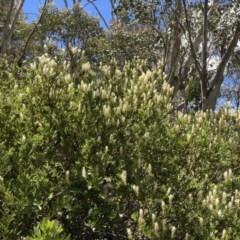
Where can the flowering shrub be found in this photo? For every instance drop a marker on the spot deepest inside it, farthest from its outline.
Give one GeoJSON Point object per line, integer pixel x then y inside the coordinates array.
{"type": "Point", "coordinates": [102, 152]}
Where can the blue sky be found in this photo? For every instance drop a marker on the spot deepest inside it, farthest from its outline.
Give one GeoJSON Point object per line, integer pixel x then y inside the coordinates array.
{"type": "Point", "coordinates": [31, 8]}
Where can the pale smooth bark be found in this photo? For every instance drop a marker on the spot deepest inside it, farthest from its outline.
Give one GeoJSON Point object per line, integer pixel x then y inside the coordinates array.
{"type": "Point", "coordinates": [217, 80]}
{"type": "Point", "coordinates": [175, 51]}
{"type": "Point", "coordinates": [12, 18]}
{"type": "Point", "coordinates": [210, 88]}
{"type": "Point", "coordinates": [204, 75]}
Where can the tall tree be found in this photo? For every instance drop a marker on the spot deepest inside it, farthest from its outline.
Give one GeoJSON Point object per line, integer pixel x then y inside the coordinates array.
{"type": "Point", "coordinates": [10, 14]}
{"type": "Point", "coordinates": [188, 37]}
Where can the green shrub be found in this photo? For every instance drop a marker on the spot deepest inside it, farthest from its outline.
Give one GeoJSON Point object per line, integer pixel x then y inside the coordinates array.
{"type": "Point", "coordinates": [103, 153]}
{"type": "Point", "coordinates": [48, 230]}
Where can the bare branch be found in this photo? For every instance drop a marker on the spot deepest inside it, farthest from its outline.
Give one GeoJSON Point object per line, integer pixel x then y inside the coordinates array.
{"type": "Point", "coordinates": [193, 52]}
{"type": "Point", "coordinates": [189, 60]}
{"type": "Point", "coordinates": [99, 13]}
{"type": "Point", "coordinates": [65, 3]}
{"type": "Point", "coordinates": [33, 31]}
{"type": "Point", "coordinates": [226, 56]}
{"type": "Point", "coordinates": [217, 80]}
{"type": "Point", "coordinates": [113, 3]}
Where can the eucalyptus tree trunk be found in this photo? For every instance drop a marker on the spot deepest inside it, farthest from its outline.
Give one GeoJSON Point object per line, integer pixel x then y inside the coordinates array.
{"type": "Point", "coordinates": [204, 73]}
{"type": "Point", "coordinates": [210, 87]}
{"type": "Point", "coordinates": [217, 80]}
{"type": "Point", "coordinates": [175, 50]}
{"type": "Point", "coordinates": [14, 9]}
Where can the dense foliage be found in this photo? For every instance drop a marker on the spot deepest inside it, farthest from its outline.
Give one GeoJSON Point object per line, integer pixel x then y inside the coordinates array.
{"type": "Point", "coordinates": [108, 142]}
{"type": "Point", "coordinates": [103, 155]}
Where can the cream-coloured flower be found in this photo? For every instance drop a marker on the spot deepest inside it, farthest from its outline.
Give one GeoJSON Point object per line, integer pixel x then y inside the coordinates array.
{"type": "Point", "coordinates": [156, 228]}
{"type": "Point", "coordinates": [86, 67]}
{"type": "Point", "coordinates": [135, 189]}
{"type": "Point", "coordinates": [154, 217]}
{"type": "Point", "coordinates": [24, 138]}
{"type": "Point", "coordinates": [224, 233]}
{"type": "Point", "coordinates": [224, 198]}
{"type": "Point", "coordinates": [163, 205]}
{"type": "Point", "coordinates": [129, 233]}
{"type": "Point", "coordinates": [170, 198]}
{"type": "Point", "coordinates": [124, 177]}
{"type": "Point", "coordinates": [164, 224]}
{"type": "Point", "coordinates": [173, 231]}
{"type": "Point", "coordinates": [84, 173]}
{"type": "Point", "coordinates": [1, 179]}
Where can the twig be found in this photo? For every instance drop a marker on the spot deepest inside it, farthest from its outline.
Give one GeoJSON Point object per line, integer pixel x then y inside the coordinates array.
{"type": "Point", "coordinates": [65, 3]}
{"type": "Point", "coordinates": [99, 13]}
{"type": "Point", "coordinates": [31, 34]}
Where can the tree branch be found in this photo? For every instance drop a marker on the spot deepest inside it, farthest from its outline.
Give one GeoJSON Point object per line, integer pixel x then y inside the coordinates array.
{"type": "Point", "coordinates": [217, 80]}
{"type": "Point", "coordinates": [33, 31]}
{"type": "Point", "coordinates": [226, 56]}
{"type": "Point", "coordinates": [99, 13]}
{"type": "Point", "coordinates": [113, 9]}
{"type": "Point", "coordinates": [193, 52]}
{"type": "Point", "coordinates": [65, 3]}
